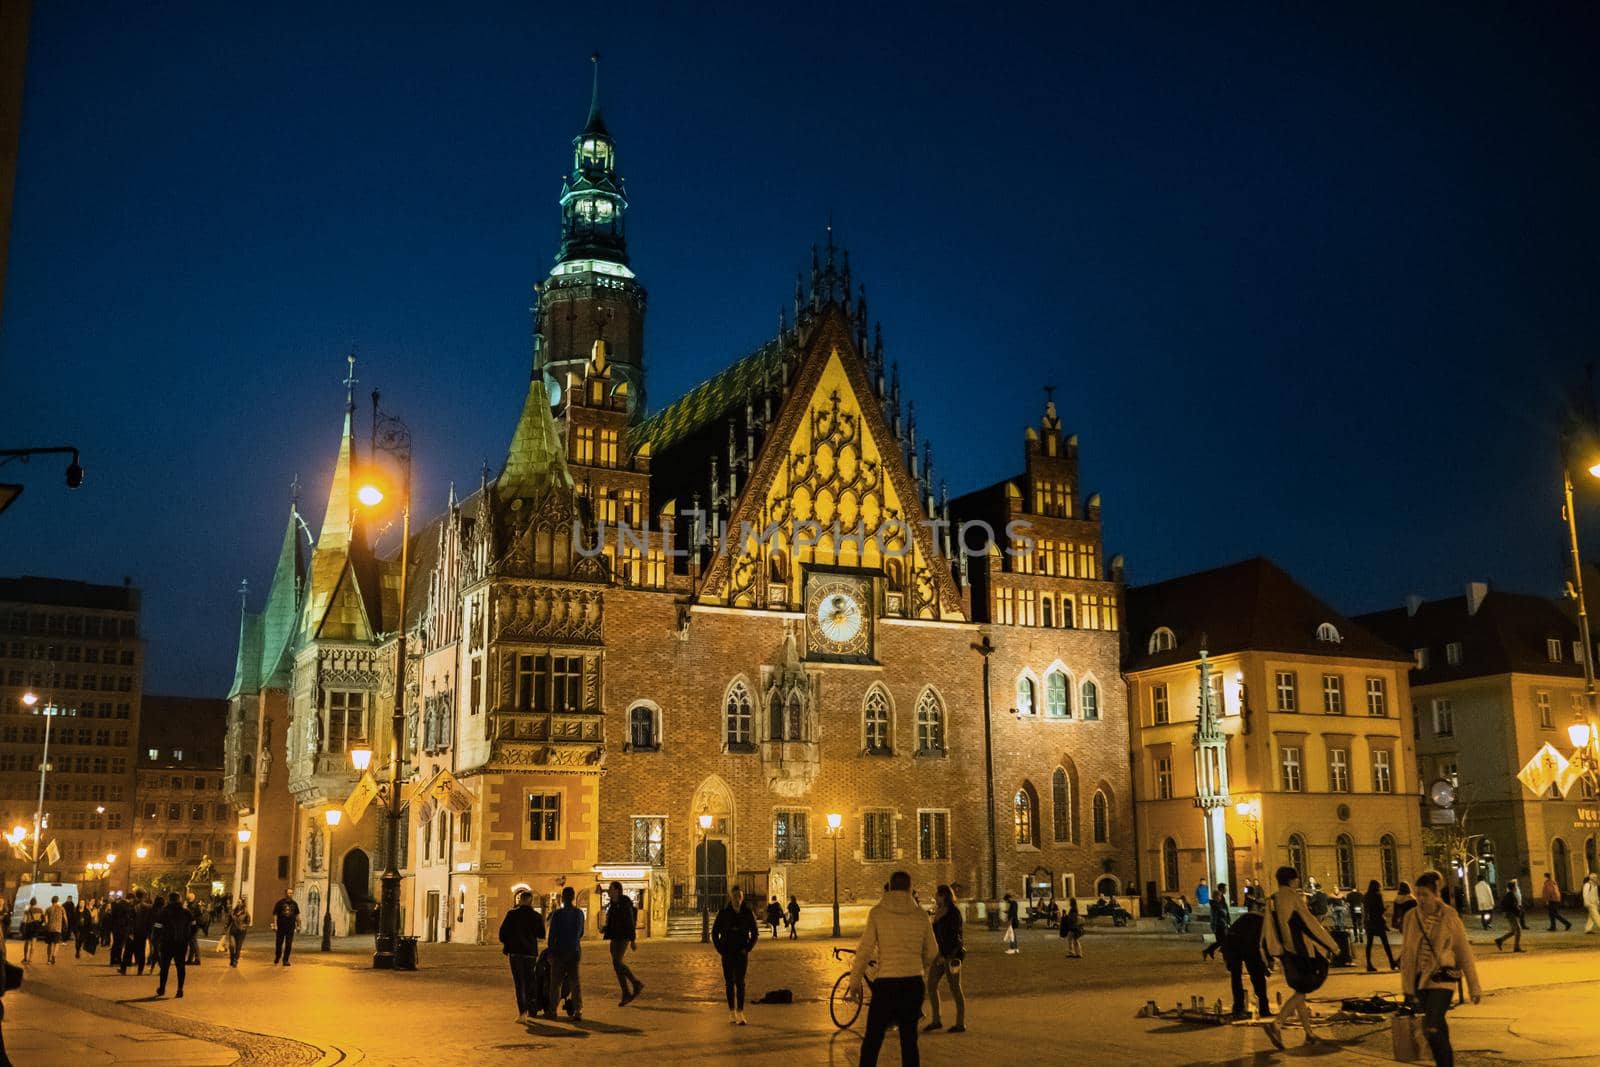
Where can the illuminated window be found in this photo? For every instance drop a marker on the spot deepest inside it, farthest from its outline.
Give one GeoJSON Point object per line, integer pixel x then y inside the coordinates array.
{"type": "Point", "coordinates": [1024, 809]}
{"type": "Point", "coordinates": [583, 445]}
{"type": "Point", "coordinates": [1287, 695]}
{"type": "Point", "coordinates": [1163, 640]}
{"type": "Point", "coordinates": [347, 721]}
{"type": "Point", "coordinates": [1025, 604]}
{"type": "Point", "coordinates": [544, 816]}
{"type": "Point", "coordinates": [608, 448]}
{"type": "Point", "coordinates": [1056, 703]}
{"type": "Point", "coordinates": [1542, 700]}
{"type": "Point", "coordinates": [1328, 632]}
{"type": "Point", "coordinates": [1552, 649]}
{"type": "Point", "coordinates": [1158, 704]}
{"type": "Point", "coordinates": [933, 835]}
{"type": "Point", "coordinates": [737, 718]}
{"type": "Point", "coordinates": [1444, 718]}
{"type": "Point", "coordinates": [1089, 701]}
{"type": "Point", "coordinates": [1339, 771]}
{"type": "Point", "coordinates": [1377, 697]}
{"type": "Point", "coordinates": [875, 716]}
{"type": "Point", "coordinates": [791, 842]}
{"type": "Point", "coordinates": [1452, 653]}
{"type": "Point", "coordinates": [1290, 763]}
{"type": "Point", "coordinates": [650, 840]}
{"type": "Point", "coordinates": [1163, 778]}
{"type": "Point", "coordinates": [1025, 695]}
{"type": "Point", "coordinates": [1333, 694]}
{"type": "Point", "coordinates": [1382, 772]}
{"type": "Point", "coordinates": [1004, 606]}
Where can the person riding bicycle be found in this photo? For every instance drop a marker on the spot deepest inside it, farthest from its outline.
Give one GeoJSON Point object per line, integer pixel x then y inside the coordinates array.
{"type": "Point", "coordinates": [900, 939]}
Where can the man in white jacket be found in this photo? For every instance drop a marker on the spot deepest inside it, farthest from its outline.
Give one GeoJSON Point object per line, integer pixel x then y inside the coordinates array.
{"type": "Point", "coordinates": [899, 938]}
{"type": "Point", "coordinates": [1591, 902]}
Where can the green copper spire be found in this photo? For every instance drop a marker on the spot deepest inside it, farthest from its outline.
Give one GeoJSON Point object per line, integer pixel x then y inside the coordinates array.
{"type": "Point", "coordinates": [593, 205]}
{"type": "Point", "coordinates": [537, 460]}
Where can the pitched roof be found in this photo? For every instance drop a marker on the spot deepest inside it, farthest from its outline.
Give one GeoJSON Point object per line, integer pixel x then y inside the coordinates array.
{"type": "Point", "coordinates": [537, 460]}
{"type": "Point", "coordinates": [711, 401]}
{"type": "Point", "coordinates": [1252, 605]}
{"type": "Point", "coordinates": [247, 662]}
{"type": "Point", "coordinates": [1507, 633]}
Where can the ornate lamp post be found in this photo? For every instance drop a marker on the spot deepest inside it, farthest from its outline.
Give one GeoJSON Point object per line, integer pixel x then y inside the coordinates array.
{"type": "Point", "coordinates": [332, 815]}
{"type": "Point", "coordinates": [835, 821]}
{"type": "Point", "coordinates": [985, 648]}
{"type": "Point", "coordinates": [705, 876]}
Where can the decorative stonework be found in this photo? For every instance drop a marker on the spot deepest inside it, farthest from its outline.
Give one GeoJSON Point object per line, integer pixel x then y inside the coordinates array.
{"type": "Point", "coordinates": [568, 614]}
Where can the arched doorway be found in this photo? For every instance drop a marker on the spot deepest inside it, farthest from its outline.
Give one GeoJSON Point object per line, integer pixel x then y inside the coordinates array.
{"type": "Point", "coordinates": [711, 819]}
{"type": "Point", "coordinates": [1561, 864]}
{"type": "Point", "coordinates": [356, 876]}
{"type": "Point", "coordinates": [711, 872]}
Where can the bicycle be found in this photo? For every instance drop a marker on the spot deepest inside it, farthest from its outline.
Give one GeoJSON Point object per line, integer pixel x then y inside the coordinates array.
{"type": "Point", "coordinates": [843, 1008]}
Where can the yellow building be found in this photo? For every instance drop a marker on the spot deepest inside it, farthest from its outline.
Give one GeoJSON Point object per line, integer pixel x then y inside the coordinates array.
{"type": "Point", "coordinates": [1316, 714]}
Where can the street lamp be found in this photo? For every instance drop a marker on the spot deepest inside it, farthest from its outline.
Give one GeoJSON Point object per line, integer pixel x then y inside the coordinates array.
{"type": "Point", "coordinates": [705, 876]}
{"type": "Point", "coordinates": [50, 711]}
{"type": "Point", "coordinates": [835, 820]}
{"type": "Point", "coordinates": [361, 757]}
{"type": "Point", "coordinates": [141, 852]}
{"type": "Point", "coordinates": [244, 837]}
{"type": "Point", "coordinates": [332, 815]}
{"type": "Point", "coordinates": [1581, 451]}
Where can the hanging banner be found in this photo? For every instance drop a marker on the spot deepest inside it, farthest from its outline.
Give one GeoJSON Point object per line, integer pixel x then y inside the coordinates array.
{"type": "Point", "coordinates": [52, 853]}
{"type": "Point", "coordinates": [1570, 776]}
{"type": "Point", "coordinates": [1543, 770]}
{"type": "Point", "coordinates": [361, 797]}
{"type": "Point", "coordinates": [446, 789]}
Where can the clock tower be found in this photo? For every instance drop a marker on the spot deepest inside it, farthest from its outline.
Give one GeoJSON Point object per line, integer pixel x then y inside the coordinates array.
{"type": "Point", "coordinates": [591, 294]}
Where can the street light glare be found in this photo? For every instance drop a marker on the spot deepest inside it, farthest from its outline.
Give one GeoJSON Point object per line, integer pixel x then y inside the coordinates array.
{"type": "Point", "coordinates": [30, 699]}
{"type": "Point", "coordinates": [1578, 734]}
{"type": "Point", "coordinates": [361, 757]}
{"type": "Point", "coordinates": [333, 815]}
{"type": "Point", "coordinates": [835, 820]}
{"type": "Point", "coordinates": [1594, 470]}
{"type": "Point", "coordinates": [370, 495]}
{"type": "Point", "coordinates": [244, 837]}
{"type": "Point", "coordinates": [705, 822]}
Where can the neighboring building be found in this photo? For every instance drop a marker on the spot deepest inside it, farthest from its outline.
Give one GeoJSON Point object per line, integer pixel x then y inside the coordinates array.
{"type": "Point", "coordinates": [1318, 734]}
{"type": "Point", "coordinates": [183, 817]}
{"type": "Point", "coordinates": [77, 646]}
{"type": "Point", "coordinates": [596, 706]}
{"type": "Point", "coordinates": [1495, 676]}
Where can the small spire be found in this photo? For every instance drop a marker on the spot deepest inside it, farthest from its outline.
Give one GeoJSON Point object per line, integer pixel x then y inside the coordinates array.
{"type": "Point", "coordinates": [799, 297]}
{"type": "Point", "coordinates": [595, 124]}
{"type": "Point", "coordinates": [294, 493]}
{"type": "Point", "coordinates": [350, 381]}
{"type": "Point", "coordinates": [244, 594]}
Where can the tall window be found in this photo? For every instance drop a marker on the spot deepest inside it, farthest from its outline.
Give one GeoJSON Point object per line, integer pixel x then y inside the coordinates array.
{"type": "Point", "coordinates": [933, 835]}
{"type": "Point", "coordinates": [550, 683]}
{"type": "Point", "coordinates": [930, 723]}
{"type": "Point", "coordinates": [1297, 854]}
{"type": "Point", "coordinates": [1333, 694]}
{"type": "Point", "coordinates": [1339, 771]}
{"type": "Point", "coordinates": [1344, 859]}
{"type": "Point", "coordinates": [1444, 718]}
{"type": "Point", "coordinates": [544, 816]}
{"type": "Point", "coordinates": [1292, 781]}
{"type": "Point", "coordinates": [791, 842]}
{"type": "Point", "coordinates": [1552, 649]}
{"type": "Point", "coordinates": [737, 719]}
{"type": "Point", "coordinates": [1102, 817]}
{"type": "Point", "coordinates": [1287, 697]}
{"type": "Point", "coordinates": [1169, 865]}
{"type": "Point", "coordinates": [1061, 806]}
{"type": "Point", "coordinates": [347, 720]}
{"type": "Point", "coordinates": [1541, 700]}
{"type": "Point", "coordinates": [1163, 778]}
{"type": "Point", "coordinates": [1382, 772]}
{"type": "Point", "coordinates": [1377, 697]}
{"type": "Point", "coordinates": [1089, 700]}
{"type": "Point", "coordinates": [1055, 696]}
{"type": "Point", "coordinates": [1024, 808]}
{"type": "Point", "coordinates": [1452, 653]}
{"type": "Point", "coordinates": [1024, 695]}
{"type": "Point", "coordinates": [877, 835]}
{"type": "Point", "coordinates": [1389, 860]}
{"type": "Point", "coordinates": [1046, 615]}
{"type": "Point", "coordinates": [876, 717]}
{"type": "Point", "coordinates": [1158, 705]}
{"type": "Point", "coordinates": [642, 728]}
{"type": "Point", "coordinates": [650, 840]}
{"type": "Point", "coordinates": [788, 718]}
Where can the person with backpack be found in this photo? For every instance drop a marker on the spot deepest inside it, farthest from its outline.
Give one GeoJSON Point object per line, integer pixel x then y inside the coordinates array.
{"type": "Point", "coordinates": [947, 924]}
{"type": "Point", "coordinates": [622, 930]}
{"type": "Point", "coordinates": [1435, 957]}
{"type": "Point", "coordinates": [733, 935]}
{"type": "Point", "coordinates": [174, 926]}
{"type": "Point", "coordinates": [520, 933]}
{"type": "Point", "coordinates": [1295, 937]}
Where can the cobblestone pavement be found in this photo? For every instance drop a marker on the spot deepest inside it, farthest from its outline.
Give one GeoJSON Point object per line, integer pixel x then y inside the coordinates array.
{"type": "Point", "coordinates": [1034, 1007]}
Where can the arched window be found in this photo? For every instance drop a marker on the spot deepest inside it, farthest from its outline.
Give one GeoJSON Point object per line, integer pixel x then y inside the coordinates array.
{"type": "Point", "coordinates": [1025, 695]}
{"type": "Point", "coordinates": [643, 732]}
{"type": "Point", "coordinates": [1025, 808]}
{"type": "Point", "coordinates": [1344, 859]}
{"type": "Point", "coordinates": [930, 723]}
{"type": "Point", "coordinates": [1102, 817]}
{"type": "Point", "coordinates": [1066, 612]}
{"type": "Point", "coordinates": [1329, 632]}
{"type": "Point", "coordinates": [1046, 613]}
{"type": "Point", "coordinates": [793, 719]}
{"type": "Point", "coordinates": [1061, 807]}
{"type": "Point", "coordinates": [1090, 701]}
{"type": "Point", "coordinates": [875, 721]}
{"type": "Point", "coordinates": [1163, 640]}
{"type": "Point", "coordinates": [1561, 863]}
{"type": "Point", "coordinates": [1169, 865]}
{"type": "Point", "coordinates": [1389, 860]}
{"type": "Point", "coordinates": [1297, 854]}
{"type": "Point", "coordinates": [737, 717]}
{"type": "Point", "coordinates": [1056, 702]}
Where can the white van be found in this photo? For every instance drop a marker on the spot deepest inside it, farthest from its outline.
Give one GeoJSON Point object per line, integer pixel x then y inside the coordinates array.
{"type": "Point", "coordinates": [40, 892]}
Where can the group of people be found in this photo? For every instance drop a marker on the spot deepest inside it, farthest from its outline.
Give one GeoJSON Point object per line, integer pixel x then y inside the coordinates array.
{"type": "Point", "coordinates": [546, 981]}
{"type": "Point", "coordinates": [1514, 908]}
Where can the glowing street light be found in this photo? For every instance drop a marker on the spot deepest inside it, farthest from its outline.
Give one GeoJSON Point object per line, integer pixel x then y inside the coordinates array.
{"type": "Point", "coordinates": [1578, 734]}
{"type": "Point", "coordinates": [835, 821]}
{"type": "Point", "coordinates": [370, 495]}
{"type": "Point", "coordinates": [141, 852]}
{"type": "Point", "coordinates": [332, 815]}
{"type": "Point", "coordinates": [705, 876]}
{"type": "Point", "coordinates": [244, 837]}
{"type": "Point", "coordinates": [361, 757]}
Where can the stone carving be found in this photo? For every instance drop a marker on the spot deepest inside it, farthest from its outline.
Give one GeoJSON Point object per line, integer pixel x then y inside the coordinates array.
{"type": "Point", "coordinates": [548, 613]}
{"type": "Point", "coordinates": [790, 754]}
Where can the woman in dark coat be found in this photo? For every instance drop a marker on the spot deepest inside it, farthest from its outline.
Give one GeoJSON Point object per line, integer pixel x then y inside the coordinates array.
{"type": "Point", "coordinates": [1372, 921]}
{"type": "Point", "coordinates": [734, 934]}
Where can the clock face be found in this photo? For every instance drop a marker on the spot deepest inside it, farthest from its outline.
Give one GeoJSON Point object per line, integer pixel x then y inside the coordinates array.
{"type": "Point", "coordinates": [1442, 793]}
{"type": "Point", "coordinates": [838, 616]}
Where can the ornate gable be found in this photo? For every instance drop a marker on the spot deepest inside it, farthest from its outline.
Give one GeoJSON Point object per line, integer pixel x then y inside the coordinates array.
{"type": "Point", "coordinates": [830, 470]}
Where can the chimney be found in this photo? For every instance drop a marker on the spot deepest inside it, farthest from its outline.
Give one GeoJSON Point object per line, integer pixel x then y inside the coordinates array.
{"type": "Point", "coordinates": [1476, 591]}
{"type": "Point", "coordinates": [1413, 602]}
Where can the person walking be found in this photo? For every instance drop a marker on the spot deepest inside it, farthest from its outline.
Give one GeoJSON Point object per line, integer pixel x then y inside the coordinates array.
{"type": "Point", "coordinates": [55, 928]}
{"type": "Point", "coordinates": [1552, 903]}
{"type": "Point", "coordinates": [566, 949]}
{"type": "Point", "coordinates": [1072, 929]}
{"type": "Point", "coordinates": [195, 917]}
{"type": "Point", "coordinates": [774, 915]}
{"type": "Point", "coordinates": [1221, 917]}
{"type": "Point", "coordinates": [174, 929]}
{"type": "Point", "coordinates": [71, 933]}
{"type": "Point", "coordinates": [121, 931]}
{"type": "Point", "coordinates": [144, 918]}
{"type": "Point", "coordinates": [733, 935]}
{"type": "Point", "coordinates": [1290, 933]}
{"type": "Point", "coordinates": [1434, 957]}
{"type": "Point", "coordinates": [1483, 898]}
{"type": "Point", "coordinates": [794, 918]}
{"type": "Point", "coordinates": [1010, 934]}
{"type": "Point", "coordinates": [1242, 952]}
{"type": "Point", "coordinates": [1591, 902]}
{"type": "Point", "coordinates": [32, 927]}
{"type": "Point", "coordinates": [622, 930]}
{"type": "Point", "coordinates": [234, 927]}
{"type": "Point", "coordinates": [520, 933]}
{"type": "Point", "coordinates": [285, 918]}
{"type": "Point", "coordinates": [1512, 910]}
{"type": "Point", "coordinates": [899, 937]}
{"type": "Point", "coordinates": [1375, 925]}
{"type": "Point", "coordinates": [1522, 905]}
{"type": "Point", "coordinates": [947, 924]}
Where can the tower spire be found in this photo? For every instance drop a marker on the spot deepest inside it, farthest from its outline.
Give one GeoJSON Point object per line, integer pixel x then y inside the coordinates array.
{"type": "Point", "coordinates": [595, 123]}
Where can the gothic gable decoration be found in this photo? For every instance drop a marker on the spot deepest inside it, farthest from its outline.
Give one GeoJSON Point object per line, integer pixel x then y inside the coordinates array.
{"type": "Point", "coordinates": [791, 737]}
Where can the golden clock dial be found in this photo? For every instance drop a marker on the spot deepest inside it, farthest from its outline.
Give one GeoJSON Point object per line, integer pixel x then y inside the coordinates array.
{"type": "Point", "coordinates": [838, 608]}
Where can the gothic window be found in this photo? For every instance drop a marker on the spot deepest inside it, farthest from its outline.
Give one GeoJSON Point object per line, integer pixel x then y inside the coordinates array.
{"type": "Point", "coordinates": [930, 723]}
{"type": "Point", "coordinates": [1025, 695]}
{"type": "Point", "coordinates": [1169, 865]}
{"type": "Point", "coordinates": [1297, 854]}
{"type": "Point", "coordinates": [737, 717]}
{"type": "Point", "coordinates": [1056, 702]}
{"type": "Point", "coordinates": [649, 840]}
{"type": "Point", "coordinates": [1090, 701]}
{"type": "Point", "coordinates": [786, 718]}
{"type": "Point", "coordinates": [1389, 861]}
{"type": "Point", "coordinates": [1047, 616]}
{"type": "Point", "coordinates": [643, 734]}
{"type": "Point", "coordinates": [790, 841]}
{"type": "Point", "coordinates": [1163, 640]}
{"type": "Point", "coordinates": [1066, 612]}
{"type": "Point", "coordinates": [1061, 807]}
{"type": "Point", "coordinates": [1024, 819]}
{"type": "Point", "coordinates": [875, 714]}
{"type": "Point", "coordinates": [1102, 817]}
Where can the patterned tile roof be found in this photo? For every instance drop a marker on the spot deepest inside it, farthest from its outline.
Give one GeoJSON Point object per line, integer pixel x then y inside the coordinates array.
{"type": "Point", "coordinates": [709, 401]}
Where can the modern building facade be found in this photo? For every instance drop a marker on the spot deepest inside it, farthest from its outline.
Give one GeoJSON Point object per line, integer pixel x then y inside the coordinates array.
{"type": "Point", "coordinates": [1495, 676]}
{"type": "Point", "coordinates": [185, 824]}
{"type": "Point", "coordinates": [1316, 719]}
{"type": "Point", "coordinates": [77, 648]}
{"type": "Point", "coordinates": [665, 647]}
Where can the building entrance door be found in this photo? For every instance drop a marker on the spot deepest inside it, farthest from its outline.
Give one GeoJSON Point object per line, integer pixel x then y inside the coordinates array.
{"type": "Point", "coordinates": [431, 930]}
{"type": "Point", "coordinates": [356, 876]}
{"type": "Point", "coordinates": [711, 872]}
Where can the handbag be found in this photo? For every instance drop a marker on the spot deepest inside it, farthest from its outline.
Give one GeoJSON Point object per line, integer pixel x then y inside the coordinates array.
{"type": "Point", "coordinates": [1441, 973]}
{"type": "Point", "coordinates": [1405, 1035]}
{"type": "Point", "coordinates": [1011, 936]}
{"type": "Point", "coordinates": [1303, 971]}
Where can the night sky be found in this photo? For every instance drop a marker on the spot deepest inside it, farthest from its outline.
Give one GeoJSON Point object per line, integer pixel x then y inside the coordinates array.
{"type": "Point", "coordinates": [1311, 283]}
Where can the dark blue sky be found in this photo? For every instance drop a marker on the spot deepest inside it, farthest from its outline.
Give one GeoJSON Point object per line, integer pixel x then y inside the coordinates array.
{"type": "Point", "coordinates": [1311, 283]}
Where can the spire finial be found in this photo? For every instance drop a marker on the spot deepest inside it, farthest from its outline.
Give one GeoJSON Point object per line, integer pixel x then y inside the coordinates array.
{"type": "Point", "coordinates": [244, 594]}
{"type": "Point", "coordinates": [596, 124]}
{"type": "Point", "coordinates": [294, 492]}
{"type": "Point", "coordinates": [350, 381]}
